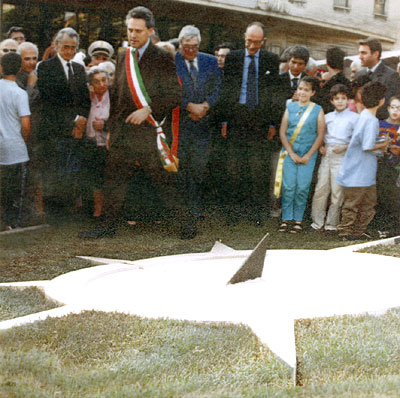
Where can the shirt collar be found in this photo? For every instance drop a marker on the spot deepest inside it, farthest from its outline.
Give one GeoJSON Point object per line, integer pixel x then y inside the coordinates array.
{"type": "Point", "coordinates": [374, 68]}
{"type": "Point", "coordinates": [256, 55]}
{"type": "Point", "coordinates": [143, 49]}
{"type": "Point", "coordinates": [293, 76]}
{"type": "Point", "coordinates": [63, 61]}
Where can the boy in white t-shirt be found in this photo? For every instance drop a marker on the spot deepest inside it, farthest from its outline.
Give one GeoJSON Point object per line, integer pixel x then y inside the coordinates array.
{"type": "Point", "coordinates": [339, 128]}
{"type": "Point", "coordinates": [14, 132]}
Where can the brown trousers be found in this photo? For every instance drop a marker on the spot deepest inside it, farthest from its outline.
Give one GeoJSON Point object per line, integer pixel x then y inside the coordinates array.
{"type": "Point", "coordinates": [358, 210]}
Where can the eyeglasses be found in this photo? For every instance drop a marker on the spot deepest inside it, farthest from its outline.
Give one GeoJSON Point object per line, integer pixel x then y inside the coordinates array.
{"type": "Point", "coordinates": [6, 50]}
{"type": "Point", "coordinates": [190, 48]}
{"type": "Point", "coordinates": [256, 42]}
{"type": "Point", "coordinates": [395, 108]}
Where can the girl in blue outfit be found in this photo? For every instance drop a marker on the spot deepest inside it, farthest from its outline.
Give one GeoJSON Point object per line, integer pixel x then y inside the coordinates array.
{"type": "Point", "coordinates": [301, 133]}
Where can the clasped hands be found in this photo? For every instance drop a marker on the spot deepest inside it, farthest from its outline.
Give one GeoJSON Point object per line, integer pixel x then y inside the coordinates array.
{"type": "Point", "coordinates": [197, 111]}
{"type": "Point", "coordinates": [299, 159]}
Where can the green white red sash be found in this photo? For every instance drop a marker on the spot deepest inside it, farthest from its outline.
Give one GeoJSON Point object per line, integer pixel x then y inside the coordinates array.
{"type": "Point", "coordinates": [142, 99]}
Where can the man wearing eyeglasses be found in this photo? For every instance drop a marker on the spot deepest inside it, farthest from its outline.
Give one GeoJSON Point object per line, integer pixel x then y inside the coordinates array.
{"type": "Point", "coordinates": [201, 82]}
{"type": "Point", "coordinates": [249, 86]}
{"type": "Point", "coordinates": [8, 45]}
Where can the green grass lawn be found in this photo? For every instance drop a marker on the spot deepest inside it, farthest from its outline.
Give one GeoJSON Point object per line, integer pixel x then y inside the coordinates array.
{"type": "Point", "coordinates": [97, 354]}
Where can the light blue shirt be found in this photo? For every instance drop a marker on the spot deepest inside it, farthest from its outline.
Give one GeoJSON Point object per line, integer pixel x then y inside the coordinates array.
{"type": "Point", "coordinates": [142, 49]}
{"type": "Point", "coordinates": [359, 166]}
{"type": "Point", "coordinates": [13, 105]}
{"type": "Point", "coordinates": [247, 60]}
{"type": "Point", "coordinates": [340, 126]}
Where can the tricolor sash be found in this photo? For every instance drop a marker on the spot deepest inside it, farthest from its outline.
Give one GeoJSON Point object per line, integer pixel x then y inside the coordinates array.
{"type": "Point", "coordinates": [279, 169]}
{"type": "Point", "coordinates": [142, 99]}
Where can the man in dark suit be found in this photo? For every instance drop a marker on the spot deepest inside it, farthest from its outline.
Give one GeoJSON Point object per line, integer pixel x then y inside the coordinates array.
{"type": "Point", "coordinates": [200, 77]}
{"type": "Point", "coordinates": [335, 64]}
{"type": "Point", "coordinates": [249, 85]}
{"type": "Point", "coordinates": [65, 107]}
{"type": "Point", "coordinates": [370, 51]}
{"type": "Point", "coordinates": [133, 137]}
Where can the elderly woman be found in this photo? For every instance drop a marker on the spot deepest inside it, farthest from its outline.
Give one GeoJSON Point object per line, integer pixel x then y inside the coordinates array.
{"type": "Point", "coordinates": [96, 134]}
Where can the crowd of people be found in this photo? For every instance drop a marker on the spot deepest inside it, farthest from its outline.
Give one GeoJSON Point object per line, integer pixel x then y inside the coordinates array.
{"type": "Point", "coordinates": [253, 130]}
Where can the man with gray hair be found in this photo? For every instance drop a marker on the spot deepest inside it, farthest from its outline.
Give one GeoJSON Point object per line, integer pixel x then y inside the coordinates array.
{"type": "Point", "coordinates": [201, 83]}
{"type": "Point", "coordinates": [65, 107]}
{"type": "Point", "coordinates": [8, 45]}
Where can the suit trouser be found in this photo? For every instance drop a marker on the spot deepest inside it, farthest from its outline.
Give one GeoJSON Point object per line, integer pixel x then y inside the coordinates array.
{"type": "Point", "coordinates": [326, 185]}
{"type": "Point", "coordinates": [358, 209]}
{"type": "Point", "coordinates": [295, 187]}
{"type": "Point", "coordinates": [193, 158]}
{"type": "Point", "coordinates": [121, 168]}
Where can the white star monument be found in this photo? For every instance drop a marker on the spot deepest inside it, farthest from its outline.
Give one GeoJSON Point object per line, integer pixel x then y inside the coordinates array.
{"type": "Point", "coordinates": [264, 289]}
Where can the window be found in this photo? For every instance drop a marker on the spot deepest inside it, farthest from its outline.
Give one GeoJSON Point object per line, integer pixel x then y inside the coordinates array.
{"type": "Point", "coordinates": [341, 3]}
{"type": "Point", "coordinates": [380, 7]}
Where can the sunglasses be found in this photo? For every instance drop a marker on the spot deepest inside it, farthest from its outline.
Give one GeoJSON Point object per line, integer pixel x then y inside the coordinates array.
{"type": "Point", "coordinates": [6, 50]}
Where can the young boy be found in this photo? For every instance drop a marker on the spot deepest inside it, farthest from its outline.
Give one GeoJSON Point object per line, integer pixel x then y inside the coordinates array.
{"type": "Point", "coordinates": [14, 131]}
{"type": "Point", "coordinates": [339, 129]}
{"type": "Point", "coordinates": [302, 133]}
{"type": "Point", "coordinates": [358, 171]}
{"type": "Point", "coordinates": [388, 193]}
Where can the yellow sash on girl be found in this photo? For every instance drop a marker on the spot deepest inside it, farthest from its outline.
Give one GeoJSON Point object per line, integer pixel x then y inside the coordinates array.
{"type": "Point", "coordinates": [279, 169]}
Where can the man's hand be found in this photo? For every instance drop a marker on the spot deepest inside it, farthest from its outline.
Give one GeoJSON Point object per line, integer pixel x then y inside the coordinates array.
{"type": "Point", "coordinates": [271, 133]}
{"type": "Point", "coordinates": [224, 130]}
{"type": "Point", "coordinates": [98, 124]}
{"type": "Point", "coordinates": [139, 116]}
{"type": "Point", "coordinates": [80, 123]}
{"type": "Point", "coordinates": [197, 111]}
{"type": "Point", "coordinates": [79, 128]}
{"type": "Point", "coordinates": [32, 79]}
{"type": "Point", "coordinates": [77, 133]}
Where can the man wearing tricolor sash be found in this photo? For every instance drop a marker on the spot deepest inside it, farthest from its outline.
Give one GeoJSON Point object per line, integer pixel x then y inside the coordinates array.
{"type": "Point", "coordinates": [145, 91]}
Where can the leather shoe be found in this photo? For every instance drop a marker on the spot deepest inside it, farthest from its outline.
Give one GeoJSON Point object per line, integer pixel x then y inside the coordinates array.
{"type": "Point", "coordinates": [98, 232]}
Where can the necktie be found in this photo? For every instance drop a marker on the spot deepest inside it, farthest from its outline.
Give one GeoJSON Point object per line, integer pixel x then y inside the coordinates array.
{"type": "Point", "coordinates": [193, 72]}
{"type": "Point", "coordinates": [251, 94]}
{"type": "Point", "coordinates": [70, 72]}
{"type": "Point", "coordinates": [295, 80]}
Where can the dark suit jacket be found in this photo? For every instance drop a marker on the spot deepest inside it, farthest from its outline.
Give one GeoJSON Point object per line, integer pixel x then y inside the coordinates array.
{"type": "Point", "coordinates": [61, 102]}
{"type": "Point", "coordinates": [159, 77]}
{"type": "Point", "coordinates": [390, 79]}
{"type": "Point", "coordinates": [285, 84]}
{"type": "Point", "coordinates": [208, 87]}
{"type": "Point", "coordinates": [268, 86]}
{"type": "Point", "coordinates": [323, 96]}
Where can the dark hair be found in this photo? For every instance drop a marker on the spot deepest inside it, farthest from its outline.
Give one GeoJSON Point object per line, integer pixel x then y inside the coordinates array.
{"type": "Point", "coordinates": [373, 43]}
{"type": "Point", "coordinates": [359, 82]}
{"type": "Point", "coordinates": [372, 93]}
{"type": "Point", "coordinates": [11, 63]}
{"type": "Point", "coordinates": [260, 25]}
{"type": "Point", "coordinates": [335, 58]}
{"type": "Point", "coordinates": [142, 13]}
{"type": "Point", "coordinates": [14, 29]}
{"type": "Point", "coordinates": [225, 44]}
{"type": "Point", "coordinates": [300, 52]}
{"type": "Point", "coordinates": [311, 80]}
{"type": "Point", "coordinates": [339, 89]}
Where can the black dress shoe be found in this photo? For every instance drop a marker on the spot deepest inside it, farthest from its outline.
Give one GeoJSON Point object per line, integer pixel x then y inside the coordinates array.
{"type": "Point", "coordinates": [98, 232]}
{"type": "Point", "coordinates": [189, 231]}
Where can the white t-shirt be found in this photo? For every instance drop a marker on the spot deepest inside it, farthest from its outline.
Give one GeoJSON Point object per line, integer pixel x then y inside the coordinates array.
{"type": "Point", "coordinates": [13, 105]}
